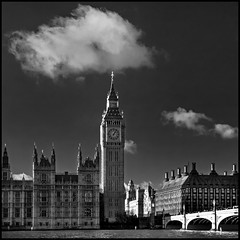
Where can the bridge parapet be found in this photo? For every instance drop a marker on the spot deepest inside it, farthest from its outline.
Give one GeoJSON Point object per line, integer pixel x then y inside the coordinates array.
{"type": "Point", "coordinates": [208, 215]}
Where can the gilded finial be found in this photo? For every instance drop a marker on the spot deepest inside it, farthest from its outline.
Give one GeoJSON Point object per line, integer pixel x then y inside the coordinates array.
{"type": "Point", "coordinates": [112, 75]}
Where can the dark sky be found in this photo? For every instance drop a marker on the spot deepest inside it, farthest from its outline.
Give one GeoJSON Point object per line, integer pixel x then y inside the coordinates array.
{"type": "Point", "coordinates": [199, 72]}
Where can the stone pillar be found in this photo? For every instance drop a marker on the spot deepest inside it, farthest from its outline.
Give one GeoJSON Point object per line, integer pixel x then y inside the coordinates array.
{"type": "Point", "coordinates": [22, 209]}
{"type": "Point", "coordinates": [184, 225]}
{"type": "Point", "coordinates": [11, 204]}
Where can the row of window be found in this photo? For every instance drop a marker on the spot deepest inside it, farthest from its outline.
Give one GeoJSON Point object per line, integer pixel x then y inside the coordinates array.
{"type": "Point", "coordinates": [17, 196]}
{"type": "Point", "coordinates": [211, 190]}
{"type": "Point", "coordinates": [113, 203]}
{"type": "Point", "coordinates": [114, 185]}
{"type": "Point", "coordinates": [17, 212]}
{"type": "Point", "coordinates": [113, 155]}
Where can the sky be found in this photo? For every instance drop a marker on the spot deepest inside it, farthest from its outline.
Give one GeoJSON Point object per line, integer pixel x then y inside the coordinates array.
{"type": "Point", "coordinates": [175, 70]}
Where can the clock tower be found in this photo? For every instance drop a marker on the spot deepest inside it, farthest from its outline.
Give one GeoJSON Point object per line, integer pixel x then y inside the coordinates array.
{"type": "Point", "coordinates": [112, 139]}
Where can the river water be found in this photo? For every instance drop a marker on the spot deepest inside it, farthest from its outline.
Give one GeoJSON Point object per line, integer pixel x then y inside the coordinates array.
{"type": "Point", "coordinates": [119, 234]}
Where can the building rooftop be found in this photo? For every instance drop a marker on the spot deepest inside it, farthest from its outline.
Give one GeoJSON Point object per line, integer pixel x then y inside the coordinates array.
{"type": "Point", "coordinates": [19, 177]}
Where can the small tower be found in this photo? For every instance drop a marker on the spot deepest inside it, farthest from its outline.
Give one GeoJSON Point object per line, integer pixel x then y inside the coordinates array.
{"type": "Point", "coordinates": [96, 158]}
{"type": "Point", "coordinates": [79, 157]}
{"type": "Point", "coordinates": [5, 165]}
{"type": "Point", "coordinates": [43, 190]}
{"type": "Point", "coordinates": [88, 193]}
{"type": "Point", "coordinates": [53, 156]}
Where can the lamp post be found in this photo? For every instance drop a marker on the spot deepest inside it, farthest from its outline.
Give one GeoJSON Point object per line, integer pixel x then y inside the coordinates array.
{"type": "Point", "coordinates": [163, 219]}
{"type": "Point", "coordinates": [215, 214]}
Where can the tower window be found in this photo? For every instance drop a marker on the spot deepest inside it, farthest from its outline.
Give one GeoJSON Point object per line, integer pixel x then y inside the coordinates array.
{"type": "Point", "coordinates": [89, 178]}
{"type": "Point", "coordinates": [88, 196]}
{"type": "Point", "coordinates": [5, 212]}
{"type": "Point", "coordinates": [5, 197]}
{"type": "Point", "coordinates": [44, 213]}
{"type": "Point", "coordinates": [17, 212]}
{"type": "Point", "coordinates": [88, 212]}
{"type": "Point", "coordinates": [29, 212]}
{"type": "Point", "coordinates": [4, 175]}
{"type": "Point", "coordinates": [43, 178]}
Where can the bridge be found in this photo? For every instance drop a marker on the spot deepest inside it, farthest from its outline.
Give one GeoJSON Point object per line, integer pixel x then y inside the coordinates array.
{"type": "Point", "coordinates": [212, 220]}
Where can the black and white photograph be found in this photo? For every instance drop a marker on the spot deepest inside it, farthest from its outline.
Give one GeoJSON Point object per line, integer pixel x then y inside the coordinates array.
{"type": "Point", "coordinates": [120, 120]}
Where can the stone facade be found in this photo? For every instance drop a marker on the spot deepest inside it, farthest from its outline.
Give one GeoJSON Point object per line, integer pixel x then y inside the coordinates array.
{"type": "Point", "coordinates": [50, 200]}
{"type": "Point", "coordinates": [192, 192]}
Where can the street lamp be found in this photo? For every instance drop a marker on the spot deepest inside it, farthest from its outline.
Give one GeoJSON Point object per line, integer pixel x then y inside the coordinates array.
{"type": "Point", "coordinates": [215, 214]}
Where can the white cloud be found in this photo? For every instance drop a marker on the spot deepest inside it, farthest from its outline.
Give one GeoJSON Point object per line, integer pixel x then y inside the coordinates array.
{"type": "Point", "coordinates": [190, 119]}
{"type": "Point", "coordinates": [89, 40]}
{"type": "Point", "coordinates": [130, 146]}
{"type": "Point", "coordinates": [226, 131]}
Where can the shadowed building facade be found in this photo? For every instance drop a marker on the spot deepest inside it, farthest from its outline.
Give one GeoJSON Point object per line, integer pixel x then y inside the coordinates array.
{"type": "Point", "coordinates": [51, 200]}
{"type": "Point", "coordinates": [194, 192]}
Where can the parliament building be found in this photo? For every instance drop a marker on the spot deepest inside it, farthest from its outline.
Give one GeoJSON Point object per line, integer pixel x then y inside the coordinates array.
{"type": "Point", "coordinates": [51, 200]}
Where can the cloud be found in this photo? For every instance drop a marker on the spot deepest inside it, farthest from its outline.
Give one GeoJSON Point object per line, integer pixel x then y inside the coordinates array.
{"type": "Point", "coordinates": [189, 120]}
{"type": "Point", "coordinates": [90, 40]}
{"type": "Point", "coordinates": [226, 131]}
{"type": "Point", "coordinates": [130, 146]}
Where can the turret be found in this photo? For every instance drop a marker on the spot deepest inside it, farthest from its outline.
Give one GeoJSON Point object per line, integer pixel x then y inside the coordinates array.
{"type": "Point", "coordinates": [79, 156]}
{"type": "Point", "coordinates": [166, 177]}
{"type": "Point", "coordinates": [5, 163]}
{"type": "Point", "coordinates": [35, 155]}
{"type": "Point", "coordinates": [6, 173]}
{"type": "Point", "coordinates": [53, 156]}
{"type": "Point", "coordinates": [234, 170]}
{"type": "Point", "coordinates": [185, 170]}
{"type": "Point", "coordinates": [194, 171]}
{"type": "Point", "coordinates": [172, 175]}
{"type": "Point", "coordinates": [96, 155]}
{"type": "Point", "coordinates": [213, 172]}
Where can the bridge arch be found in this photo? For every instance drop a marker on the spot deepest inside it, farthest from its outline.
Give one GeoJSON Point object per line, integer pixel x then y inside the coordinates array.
{"type": "Point", "coordinates": [199, 224]}
{"type": "Point", "coordinates": [229, 223]}
{"type": "Point", "coordinates": [174, 224]}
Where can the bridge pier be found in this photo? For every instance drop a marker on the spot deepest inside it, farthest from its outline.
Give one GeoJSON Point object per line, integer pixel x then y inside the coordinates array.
{"type": "Point", "coordinates": [214, 228]}
{"type": "Point", "coordinates": [184, 225]}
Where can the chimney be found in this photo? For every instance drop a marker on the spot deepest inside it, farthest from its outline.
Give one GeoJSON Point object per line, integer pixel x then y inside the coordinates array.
{"type": "Point", "coordinates": [185, 172]}
{"type": "Point", "coordinates": [193, 166]}
{"type": "Point", "coordinates": [225, 173]}
{"type": "Point", "coordinates": [172, 175]}
{"type": "Point", "coordinates": [234, 170]}
{"type": "Point", "coordinates": [179, 172]}
{"type": "Point", "coordinates": [166, 176]}
{"type": "Point", "coordinates": [212, 167]}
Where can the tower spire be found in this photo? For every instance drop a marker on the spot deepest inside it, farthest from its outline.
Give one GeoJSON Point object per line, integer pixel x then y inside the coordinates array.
{"type": "Point", "coordinates": [96, 155]}
{"type": "Point", "coordinates": [53, 156]}
{"type": "Point", "coordinates": [5, 150]}
{"type": "Point", "coordinates": [79, 157]}
{"type": "Point", "coordinates": [112, 75]}
{"type": "Point", "coordinates": [35, 155]}
{"type": "Point", "coordinates": [112, 96]}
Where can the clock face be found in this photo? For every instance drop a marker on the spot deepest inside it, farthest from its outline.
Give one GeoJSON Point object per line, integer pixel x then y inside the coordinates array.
{"type": "Point", "coordinates": [113, 133]}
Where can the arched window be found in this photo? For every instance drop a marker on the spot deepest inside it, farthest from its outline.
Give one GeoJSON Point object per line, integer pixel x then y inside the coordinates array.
{"type": "Point", "coordinates": [88, 196]}
{"type": "Point", "coordinates": [89, 178]}
{"type": "Point", "coordinates": [88, 212]}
